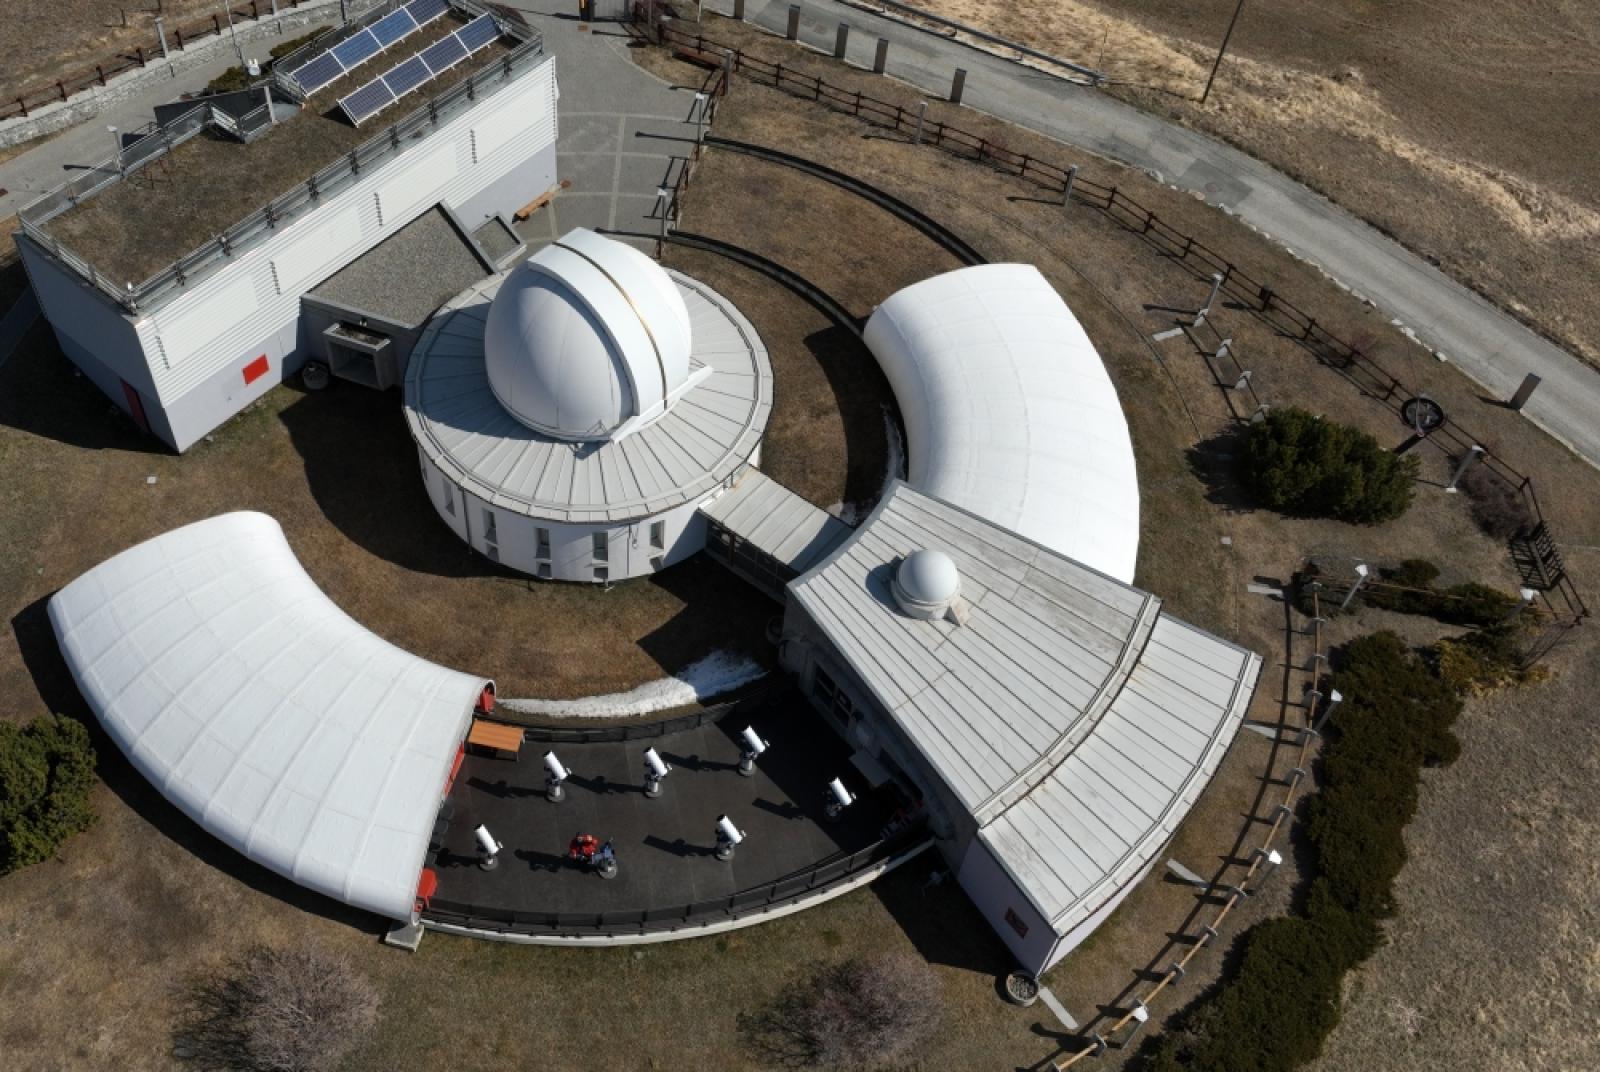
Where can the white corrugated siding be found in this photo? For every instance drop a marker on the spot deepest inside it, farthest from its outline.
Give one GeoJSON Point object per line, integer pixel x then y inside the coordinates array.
{"type": "Point", "coordinates": [181, 360]}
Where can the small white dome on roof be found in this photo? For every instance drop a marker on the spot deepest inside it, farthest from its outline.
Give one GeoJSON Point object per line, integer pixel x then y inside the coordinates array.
{"type": "Point", "coordinates": [926, 584]}
{"type": "Point", "coordinates": [584, 336]}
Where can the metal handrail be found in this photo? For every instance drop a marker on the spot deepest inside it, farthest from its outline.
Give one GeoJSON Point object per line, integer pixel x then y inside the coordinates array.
{"type": "Point", "coordinates": [785, 890]}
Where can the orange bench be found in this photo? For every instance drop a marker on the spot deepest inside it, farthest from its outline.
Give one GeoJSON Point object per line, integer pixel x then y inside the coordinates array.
{"type": "Point", "coordinates": [496, 737]}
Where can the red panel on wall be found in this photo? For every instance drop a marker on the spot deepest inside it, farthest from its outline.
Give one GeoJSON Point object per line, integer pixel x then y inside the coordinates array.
{"type": "Point", "coordinates": [255, 369]}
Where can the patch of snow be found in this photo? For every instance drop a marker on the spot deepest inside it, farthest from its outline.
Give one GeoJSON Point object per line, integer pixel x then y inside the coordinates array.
{"type": "Point", "coordinates": [711, 676]}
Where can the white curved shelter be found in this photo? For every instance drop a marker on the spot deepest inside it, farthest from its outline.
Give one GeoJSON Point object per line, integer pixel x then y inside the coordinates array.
{"type": "Point", "coordinates": [263, 711]}
{"type": "Point", "coordinates": [587, 339]}
{"type": "Point", "coordinates": [1009, 412]}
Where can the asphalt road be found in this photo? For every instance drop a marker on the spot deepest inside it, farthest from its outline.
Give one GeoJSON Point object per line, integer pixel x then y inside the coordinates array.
{"type": "Point", "coordinates": [1450, 320]}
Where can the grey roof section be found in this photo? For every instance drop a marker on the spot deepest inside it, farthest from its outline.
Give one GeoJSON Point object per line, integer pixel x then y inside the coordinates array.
{"type": "Point", "coordinates": [776, 521]}
{"type": "Point", "coordinates": [408, 275]}
{"type": "Point", "coordinates": [685, 455]}
{"type": "Point", "coordinates": [1075, 721]}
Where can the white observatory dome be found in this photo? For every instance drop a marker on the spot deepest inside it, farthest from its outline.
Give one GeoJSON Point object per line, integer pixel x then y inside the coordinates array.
{"type": "Point", "coordinates": [926, 584]}
{"type": "Point", "coordinates": [585, 337]}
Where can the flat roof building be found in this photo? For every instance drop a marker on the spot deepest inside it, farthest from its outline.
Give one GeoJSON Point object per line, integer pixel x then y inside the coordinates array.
{"type": "Point", "coordinates": [1058, 724]}
{"type": "Point", "coordinates": [174, 274]}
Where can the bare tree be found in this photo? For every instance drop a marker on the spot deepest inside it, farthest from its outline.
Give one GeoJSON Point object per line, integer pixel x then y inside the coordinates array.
{"type": "Point", "coordinates": [296, 1010]}
{"type": "Point", "coordinates": [861, 1014]}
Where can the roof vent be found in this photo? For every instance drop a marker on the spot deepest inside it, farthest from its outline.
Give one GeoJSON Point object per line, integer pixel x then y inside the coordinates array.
{"type": "Point", "coordinates": [927, 586]}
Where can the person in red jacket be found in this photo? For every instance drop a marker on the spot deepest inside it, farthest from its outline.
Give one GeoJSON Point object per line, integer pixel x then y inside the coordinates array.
{"type": "Point", "coordinates": [583, 848]}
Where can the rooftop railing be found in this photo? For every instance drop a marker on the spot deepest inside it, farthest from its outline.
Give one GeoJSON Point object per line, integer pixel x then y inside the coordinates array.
{"type": "Point", "coordinates": [260, 225]}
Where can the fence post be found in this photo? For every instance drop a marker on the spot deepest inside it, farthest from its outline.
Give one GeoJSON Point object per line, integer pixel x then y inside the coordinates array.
{"type": "Point", "coordinates": [738, 10]}
{"type": "Point", "coordinates": [1520, 399]}
{"type": "Point", "coordinates": [922, 113]}
{"type": "Point", "coordinates": [101, 72]}
{"type": "Point", "coordinates": [1473, 453]}
{"type": "Point", "coordinates": [793, 31]}
{"type": "Point", "coordinates": [139, 52]}
{"type": "Point", "coordinates": [958, 85]}
{"type": "Point", "coordinates": [179, 31]}
{"type": "Point", "coordinates": [1066, 192]}
{"type": "Point", "coordinates": [880, 59]}
{"type": "Point", "coordinates": [841, 38]}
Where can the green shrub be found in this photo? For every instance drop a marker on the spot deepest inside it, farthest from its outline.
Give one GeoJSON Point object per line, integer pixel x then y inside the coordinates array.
{"type": "Point", "coordinates": [1480, 662]}
{"type": "Point", "coordinates": [1273, 1014]}
{"type": "Point", "coordinates": [1308, 467]}
{"type": "Point", "coordinates": [237, 78]}
{"type": "Point", "coordinates": [1408, 588]}
{"type": "Point", "coordinates": [46, 773]}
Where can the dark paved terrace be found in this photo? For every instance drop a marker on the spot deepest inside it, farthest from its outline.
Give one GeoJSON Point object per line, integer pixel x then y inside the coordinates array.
{"type": "Point", "coordinates": [664, 846]}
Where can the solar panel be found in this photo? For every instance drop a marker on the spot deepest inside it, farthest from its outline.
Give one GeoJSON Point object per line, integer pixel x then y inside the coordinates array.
{"type": "Point", "coordinates": [425, 11]}
{"type": "Point", "coordinates": [404, 77]}
{"type": "Point", "coordinates": [356, 50]}
{"type": "Point", "coordinates": [479, 32]}
{"type": "Point", "coordinates": [392, 28]}
{"type": "Point", "coordinates": [443, 54]}
{"type": "Point", "coordinates": [319, 72]}
{"type": "Point", "coordinates": [367, 101]}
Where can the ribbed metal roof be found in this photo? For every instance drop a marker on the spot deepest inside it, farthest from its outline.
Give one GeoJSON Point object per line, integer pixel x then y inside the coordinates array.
{"type": "Point", "coordinates": [684, 455]}
{"type": "Point", "coordinates": [1074, 721]}
{"type": "Point", "coordinates": [776, 521]}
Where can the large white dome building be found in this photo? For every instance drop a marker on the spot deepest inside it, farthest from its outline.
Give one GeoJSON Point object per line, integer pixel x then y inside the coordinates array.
{"type": "Point", "coordinates": [573, 413]}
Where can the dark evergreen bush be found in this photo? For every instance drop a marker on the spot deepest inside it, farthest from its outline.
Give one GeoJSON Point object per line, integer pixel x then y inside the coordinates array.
{"type": "Point", "coordinates": [46, 773]}
{"type": "Point", "coordinates": [1273, 1014]}
{"type": "Point", "coordinates": [1308, 467]}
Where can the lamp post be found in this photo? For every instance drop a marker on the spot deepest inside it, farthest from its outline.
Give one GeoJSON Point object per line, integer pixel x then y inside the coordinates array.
{"type": "Point", "coordinates": [1212, 77]}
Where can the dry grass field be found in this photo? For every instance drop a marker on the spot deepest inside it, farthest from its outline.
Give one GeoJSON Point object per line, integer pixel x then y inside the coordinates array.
{"type": "Point", "coordinates": [40, 40]}
{"type": "Point", "coordinates": [1463, 129]}
{"type": "Point", "coordinates": [135, 907]}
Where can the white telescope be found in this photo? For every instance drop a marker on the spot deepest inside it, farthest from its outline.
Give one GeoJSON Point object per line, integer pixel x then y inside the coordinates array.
{"type": "Point", "coordinates": [488, 848]}
{"type": "Point", "coordinates": [654, 764]}
{"type": "Point", "coordinates": [839, 798]}
{"type": "Point", "coordinates": [554, 775]}
{"type": "Point", "coordinates": [753, 747]}
{"type": "Point", "coordinates": [728, 836]}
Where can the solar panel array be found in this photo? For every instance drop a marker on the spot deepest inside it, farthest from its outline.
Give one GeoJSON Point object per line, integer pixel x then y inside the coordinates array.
{"type": "Point", "coordinates": [417, 71]}
{"type": "Point", "coordinates": [357, 49]}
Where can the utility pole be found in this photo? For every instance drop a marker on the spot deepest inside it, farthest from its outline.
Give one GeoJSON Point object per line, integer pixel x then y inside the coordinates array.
{"type": "Point", "coordinates": [233, 33]}
{"type": "Point", "coordinates": [1238, 7]}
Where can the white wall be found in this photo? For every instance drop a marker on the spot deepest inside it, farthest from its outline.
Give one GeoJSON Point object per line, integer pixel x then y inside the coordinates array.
{"type": "Point", "coordinates": [196, 346]}
{"type": "Point", "coordinates": [994, 893]}
{"type": "Point", "coordinates": [516, 545]}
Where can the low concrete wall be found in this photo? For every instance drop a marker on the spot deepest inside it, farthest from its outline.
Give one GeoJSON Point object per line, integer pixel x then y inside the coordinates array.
{"type": "Point", "coordinates": [49, 118]}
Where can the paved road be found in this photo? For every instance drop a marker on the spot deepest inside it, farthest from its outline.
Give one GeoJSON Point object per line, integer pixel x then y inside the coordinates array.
{"type": "Point", "coordinates": [1486, 344]}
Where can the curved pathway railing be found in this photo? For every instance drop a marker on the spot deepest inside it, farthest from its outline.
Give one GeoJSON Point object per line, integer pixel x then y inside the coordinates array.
{"type": "Point", "coordinates": [792, 889]}
{"type": "Point", "coordinates": [930, 227]}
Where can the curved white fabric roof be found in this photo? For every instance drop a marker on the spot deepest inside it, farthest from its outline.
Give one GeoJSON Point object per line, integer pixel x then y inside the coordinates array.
{"type": "Point", "coordinates": [1009, 412]}
{"type": "Point", "coordinates": [263, 711]}
{"type": "Point", "coordinates": [586, 335]}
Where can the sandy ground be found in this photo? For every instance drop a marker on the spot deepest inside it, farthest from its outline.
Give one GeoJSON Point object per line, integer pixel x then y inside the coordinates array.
{"type": "Point", "coordinates": [1458, 128]}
